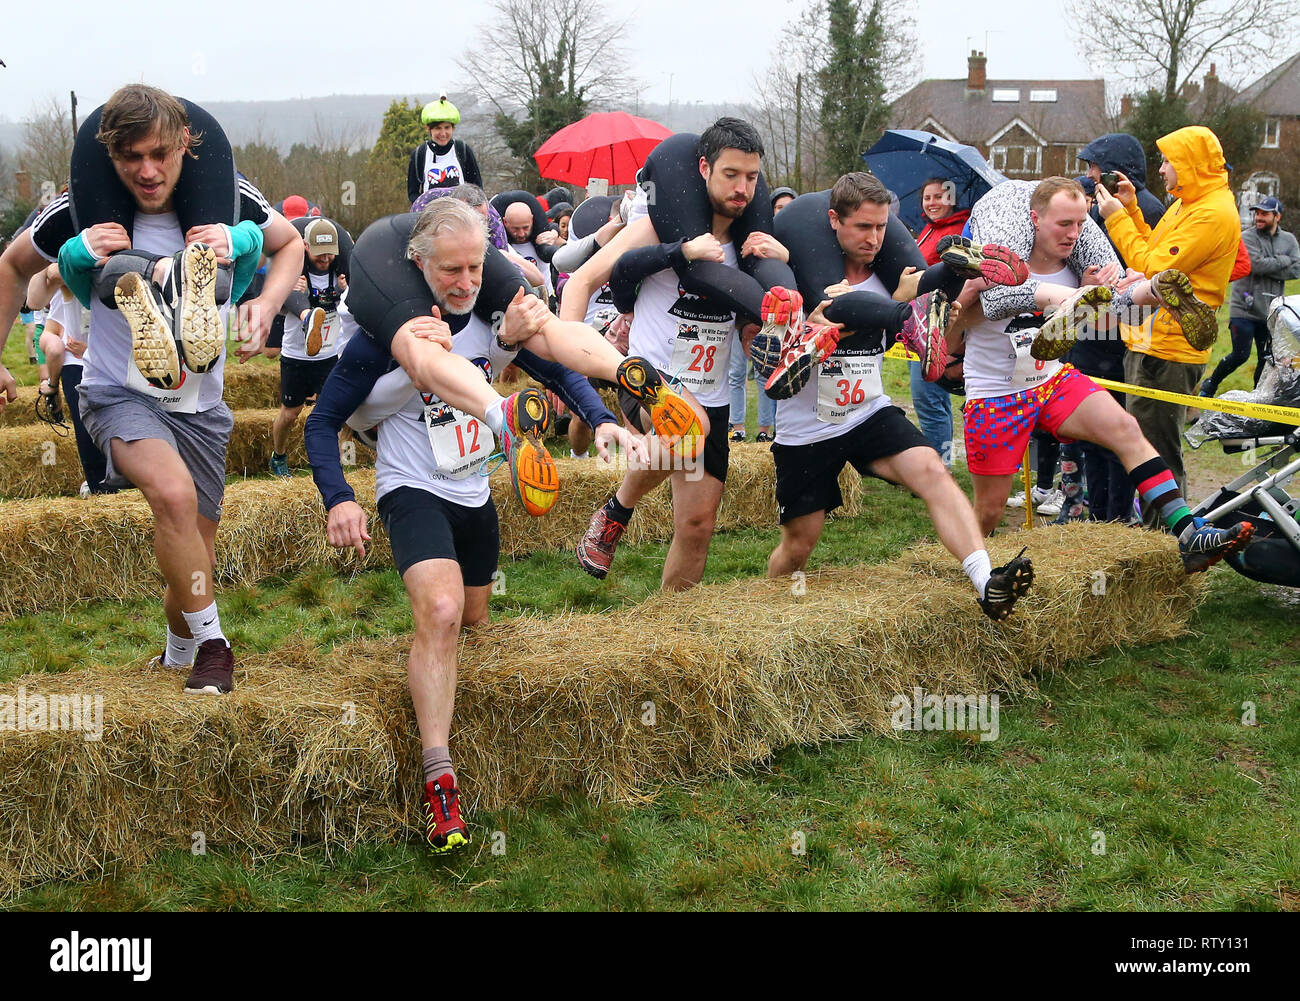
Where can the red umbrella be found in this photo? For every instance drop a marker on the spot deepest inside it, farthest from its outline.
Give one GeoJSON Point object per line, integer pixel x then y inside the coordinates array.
{"type": "Point", "coordinates": [613, 145]}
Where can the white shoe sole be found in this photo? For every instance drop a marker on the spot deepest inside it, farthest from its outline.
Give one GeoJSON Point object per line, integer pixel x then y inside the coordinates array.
{"type": "Point", "coordinates": [199, 322]}
{"type": "Point", "coordinates": [152, 344]}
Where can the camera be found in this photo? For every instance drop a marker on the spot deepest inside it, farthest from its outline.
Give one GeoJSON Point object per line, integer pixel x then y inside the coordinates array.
{"type": "Point", "coordinates": [1110, 181]}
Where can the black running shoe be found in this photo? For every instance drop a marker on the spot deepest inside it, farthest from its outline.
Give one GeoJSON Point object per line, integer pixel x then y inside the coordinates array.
{"type": "Point", "coordinates": [214, 669]}
{"type": "Point", "coordinates": [1006, 586]}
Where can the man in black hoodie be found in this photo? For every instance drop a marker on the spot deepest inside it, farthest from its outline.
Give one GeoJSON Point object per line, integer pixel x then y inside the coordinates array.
{"type": "Point", "coordinates": [1110, 492]}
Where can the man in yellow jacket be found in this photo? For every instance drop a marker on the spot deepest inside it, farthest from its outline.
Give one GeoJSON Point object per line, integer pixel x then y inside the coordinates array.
{"type": "Point", "coordinates": [1198, 236]}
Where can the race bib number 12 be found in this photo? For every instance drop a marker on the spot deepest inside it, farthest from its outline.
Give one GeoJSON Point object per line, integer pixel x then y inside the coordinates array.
{"type": "Point", "coordinates": [460, 442]}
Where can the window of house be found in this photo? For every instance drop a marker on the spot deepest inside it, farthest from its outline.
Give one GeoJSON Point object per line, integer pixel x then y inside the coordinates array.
{"type": "Point", "coordinates": [1042, 95]}
{"type": "Point", "coordinates": [1272, 132]}
{"type": "Point", "coordinates": [1017, 159]}
{"type": "Point", "coordinates": [1004, 94]}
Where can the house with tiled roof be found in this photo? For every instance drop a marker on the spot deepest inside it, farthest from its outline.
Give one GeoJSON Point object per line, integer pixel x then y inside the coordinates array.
{"type": "Point", "coordinates": [1024, 128]}
{"type": "Point", "coordinates": [1276, 170]}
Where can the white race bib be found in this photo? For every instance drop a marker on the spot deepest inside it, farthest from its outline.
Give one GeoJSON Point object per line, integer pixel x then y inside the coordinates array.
{"type": "Point", "coordinates": [183, 399]}
{"type": "Point", "coordinates": [329, 331]}
{"type": "Point", "coordinates": [460, 443]}
{"type": "Point", "coordinates": [701, 354]}
{"type": "Point", "coordinates": [846, 383]}
{"type": "Point", "coordinates": [1029, 371]}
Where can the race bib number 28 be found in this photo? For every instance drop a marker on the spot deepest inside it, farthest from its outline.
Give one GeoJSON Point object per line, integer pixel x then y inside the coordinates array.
{"type": "Point", "coordinates": [701, 354]}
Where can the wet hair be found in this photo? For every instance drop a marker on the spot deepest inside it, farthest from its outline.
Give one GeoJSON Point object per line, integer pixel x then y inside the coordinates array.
{"type": "Point", "coordinates": [133, 111]}
{"type": "Point", "coordinates": [729, 133]}
{"type": "Point", "coordinates": [446, 215]}
{"type": "Point", "coordinates": [1050, 187]}
{"type": "Point", "coordinates": [854, 188]}
{"type": "Point", "coordinates": [471, 194]}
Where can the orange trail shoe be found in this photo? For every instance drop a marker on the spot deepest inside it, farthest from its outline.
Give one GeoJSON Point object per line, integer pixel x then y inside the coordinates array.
{"type": "Point", "coordinates": [528, 414]}
{"type": "Point", "coordinates": [671, 416]}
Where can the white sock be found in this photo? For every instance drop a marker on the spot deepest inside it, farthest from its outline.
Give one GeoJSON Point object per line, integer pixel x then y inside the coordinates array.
{"type": "Point", "coordinates": [205, 624]}
{"type": "Point", "coordinates": [495, 416]}
{"type": "Point", "coordinates": [180, 650]}
{"type": "Point", "coordinates": [978, 569]}
{"type": "Point", "coordinates": [577, 455]}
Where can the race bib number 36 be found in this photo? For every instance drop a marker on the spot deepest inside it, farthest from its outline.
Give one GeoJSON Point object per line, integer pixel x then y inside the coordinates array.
{"type": "Point", "coordinates": [845, 384]}
{"type": "Point", "coordinates": [701, 354]}
{"type": "Point", "coordinates": [460, 442]}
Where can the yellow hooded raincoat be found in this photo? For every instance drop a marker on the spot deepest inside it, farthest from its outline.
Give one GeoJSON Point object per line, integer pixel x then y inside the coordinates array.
{"type": "Point", "coordinates": [1198, 235]}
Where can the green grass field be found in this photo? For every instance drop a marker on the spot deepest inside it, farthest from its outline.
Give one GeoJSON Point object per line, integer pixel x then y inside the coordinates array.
{"type": "Point", "coordinates": [1131, 782]}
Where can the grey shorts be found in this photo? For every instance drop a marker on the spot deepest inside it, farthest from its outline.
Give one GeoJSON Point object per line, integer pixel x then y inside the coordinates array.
{"type": "Point", "coordinates": [200, 440]}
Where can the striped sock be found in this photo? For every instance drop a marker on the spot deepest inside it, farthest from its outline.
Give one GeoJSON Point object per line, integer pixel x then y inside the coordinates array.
{"type": "Point", "coordinates": [1155, 483]}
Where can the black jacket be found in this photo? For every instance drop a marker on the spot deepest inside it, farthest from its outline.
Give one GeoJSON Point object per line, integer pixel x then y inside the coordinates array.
{"type": "Point", "coordinates": [470, 173]}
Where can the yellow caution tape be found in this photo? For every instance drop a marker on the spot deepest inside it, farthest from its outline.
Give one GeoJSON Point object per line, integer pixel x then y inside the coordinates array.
{"type": "Point", "coordinates": [1263, 411]}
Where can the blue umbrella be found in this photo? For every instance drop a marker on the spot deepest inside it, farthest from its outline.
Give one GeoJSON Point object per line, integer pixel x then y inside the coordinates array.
{"type": "Point", "coordinates": [905, 158]}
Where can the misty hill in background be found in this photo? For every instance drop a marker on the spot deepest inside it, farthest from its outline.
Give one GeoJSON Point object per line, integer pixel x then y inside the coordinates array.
{"type": "Point", "coordinates": [353, 120]}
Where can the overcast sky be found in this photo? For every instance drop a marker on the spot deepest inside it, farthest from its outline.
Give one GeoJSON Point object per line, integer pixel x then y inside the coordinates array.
{"type": "Point", "coordinates": [245, 50]}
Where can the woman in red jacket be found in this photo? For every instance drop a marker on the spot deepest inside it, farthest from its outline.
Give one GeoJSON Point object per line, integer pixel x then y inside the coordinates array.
{"type": "Point", "coordinates": [937, 199]}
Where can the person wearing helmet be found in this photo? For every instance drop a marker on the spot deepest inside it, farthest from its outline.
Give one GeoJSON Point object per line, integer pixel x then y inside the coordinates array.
{"type": "Point", "coordinates": [441, 161]}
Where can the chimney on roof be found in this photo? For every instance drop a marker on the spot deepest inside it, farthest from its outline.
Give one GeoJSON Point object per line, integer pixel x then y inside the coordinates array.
{"type": "Point", "coordinates": [1211, 89]}
{"type": "Point", "coordinates": [976, 76]}
{"type": "Point", "coordinates": [1125, 106]}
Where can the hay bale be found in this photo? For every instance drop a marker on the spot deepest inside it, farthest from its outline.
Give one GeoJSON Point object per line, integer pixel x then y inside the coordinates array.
{"type": "Point", "coordinates": [323, 745]}
{"type": "Point", "coordinates": [37, 462]}
{"type": "Point", "coordinates": [70, 550]}
{"type": "Point", "coordinates": [22, 411]}
{"type": "Point", "coordinates": [251, 386]}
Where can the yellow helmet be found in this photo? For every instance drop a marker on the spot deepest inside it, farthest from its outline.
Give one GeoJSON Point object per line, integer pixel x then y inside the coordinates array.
{"type": "Point", "coordinates": [440, 110]}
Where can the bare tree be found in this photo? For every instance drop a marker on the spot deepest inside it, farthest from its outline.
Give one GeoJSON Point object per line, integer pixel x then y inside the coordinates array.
{"type": "Point", "coordinates": [788, 93]}
{"type": "Point", "coordinates": [47, 146]}
{"type": "Point", "coordinates": [1173, 41]}
{"type": "Point", "coordinates": [522, 42]}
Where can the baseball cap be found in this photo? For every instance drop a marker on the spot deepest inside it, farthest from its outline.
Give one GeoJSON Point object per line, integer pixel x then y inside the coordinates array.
{"type": "Point", "coordinates": [295, 206]}
{"type": "Point", "coordinates": [1269, 204]}
{"type": "Point", "coordinates": [321, 237]}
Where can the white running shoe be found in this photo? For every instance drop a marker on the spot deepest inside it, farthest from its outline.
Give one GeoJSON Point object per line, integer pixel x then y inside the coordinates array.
{"type": "Point", "coordinates": [1051, 502]}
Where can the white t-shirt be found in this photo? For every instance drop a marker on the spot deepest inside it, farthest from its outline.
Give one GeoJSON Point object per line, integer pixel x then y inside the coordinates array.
{"type": "Point", "coordinates": [294, 344]}
{"type": "Point", "coordinates": [529, 253]}
{"type": "Point", "coordinates": [109, 360]}
{"type": "Point", "coordinates": [998, 362]}
{"type": "Point", "coordinates": [425, 443]}
{"type": "Point", "coordinates": [442, 170]}
{"type": "Point", "coordinates": [844, 391]}
{"type": "Point", "coordinates": [686, 336]}
{"type": "Point", "coordinates": [75, 320]}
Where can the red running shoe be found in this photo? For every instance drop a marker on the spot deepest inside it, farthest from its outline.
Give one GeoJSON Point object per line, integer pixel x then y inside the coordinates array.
{"type": "Point", "coordinates": [443, 826]}
{"type": "Point", "coordinates": [596, 547]}
{"type": "Point", "coordinates": [1000, 265]}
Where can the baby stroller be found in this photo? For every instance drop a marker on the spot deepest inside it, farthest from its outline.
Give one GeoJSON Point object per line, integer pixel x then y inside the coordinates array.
{"type": "Point", "coordinates": [1260, 495]}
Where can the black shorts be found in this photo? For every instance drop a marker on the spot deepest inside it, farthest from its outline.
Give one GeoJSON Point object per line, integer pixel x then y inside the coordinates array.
{"type": "Point", "coordinates": [301, 379]}
{"type": "Point", "coordinates": [423, 526]}
{"type": "Point", "coordinates": [717, 446]}
{"type": "Point", "coordinates": [275, 338]}
{"type": "Point", "coordinates": [808, 476]}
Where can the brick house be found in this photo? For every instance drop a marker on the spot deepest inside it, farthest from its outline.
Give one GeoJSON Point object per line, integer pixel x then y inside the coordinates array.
{"type": "Point", "coordinates": [1276, 169]}
{"type": "Point", "coordinates": [1025, 128]}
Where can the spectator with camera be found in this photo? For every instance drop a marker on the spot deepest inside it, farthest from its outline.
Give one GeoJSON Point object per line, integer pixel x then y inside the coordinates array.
{"type": "Point", "coordinates": [1274, 260]}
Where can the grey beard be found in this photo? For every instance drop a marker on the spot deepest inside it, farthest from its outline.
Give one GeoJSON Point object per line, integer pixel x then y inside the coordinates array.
{"type": "Point", "coordinates": [444, 307]}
